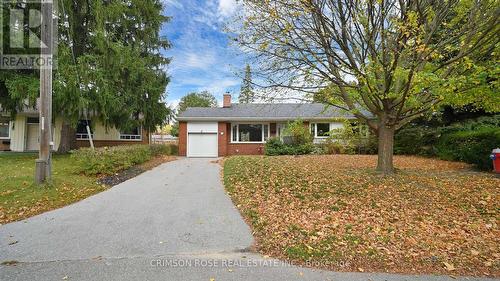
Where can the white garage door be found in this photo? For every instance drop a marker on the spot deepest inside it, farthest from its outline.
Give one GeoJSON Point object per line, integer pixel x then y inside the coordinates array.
{"type": "Point", "coordinates": [202, 145]}
{"type": "Point", "coordinates": [202, 139]}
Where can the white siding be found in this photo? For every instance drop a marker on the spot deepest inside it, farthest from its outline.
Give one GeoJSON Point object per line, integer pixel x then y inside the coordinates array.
{"type": "Point", "coordinates": [102, 133]}
{"type": "Point", "coordinates": [17, 133]}
{"type": "Point", "coordinates": [57, 133]}
{"type": "Point", "coordinates": [336, 125]}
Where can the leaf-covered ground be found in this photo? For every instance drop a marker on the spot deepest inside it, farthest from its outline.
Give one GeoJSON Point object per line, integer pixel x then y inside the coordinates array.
{"type": "Point", "coordinates": [20, 198]}
{"type": "Point", "coordinates": [335, 212]}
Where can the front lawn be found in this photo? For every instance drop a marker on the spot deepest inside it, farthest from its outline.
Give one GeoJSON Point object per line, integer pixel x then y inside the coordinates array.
{"type": "Point", "coordinates": [21, 198]}
{"type": "Point", "coordinates": [335, 212]}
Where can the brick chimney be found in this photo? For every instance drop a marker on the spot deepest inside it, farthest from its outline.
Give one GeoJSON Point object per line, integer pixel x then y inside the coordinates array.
{"type": "Point", "coordinates": [226, 102]}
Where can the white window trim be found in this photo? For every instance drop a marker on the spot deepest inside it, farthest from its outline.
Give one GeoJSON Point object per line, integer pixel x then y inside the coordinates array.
{"type": "Point", "coordinates": [8, 137]}
{"type": "Point", "coordinates": [316, 129]}
{"type": "Point", "coordinates": [253, 123]}
{"type": "Point", "coordinates": [127, 135]}
{"type": "Point", "coordinates": [83, 136]}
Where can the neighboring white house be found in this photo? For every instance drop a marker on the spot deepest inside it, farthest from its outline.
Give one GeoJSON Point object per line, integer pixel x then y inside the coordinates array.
{"type": "Point", "coordinates": [22, 133]}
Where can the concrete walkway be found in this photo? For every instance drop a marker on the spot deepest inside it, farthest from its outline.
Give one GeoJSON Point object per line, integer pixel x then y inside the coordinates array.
{"type": "Point", "coordinates": [171, 223]}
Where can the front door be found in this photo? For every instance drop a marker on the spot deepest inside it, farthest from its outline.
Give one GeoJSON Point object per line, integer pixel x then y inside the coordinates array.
{"type": "Point", "coordinates": [33, 137]}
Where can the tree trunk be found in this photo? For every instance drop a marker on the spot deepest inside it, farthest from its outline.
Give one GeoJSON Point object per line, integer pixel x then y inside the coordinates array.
{"type": "Point", "coordinates": [385, 150]}
{"type": "Point", "coordinates": [68, 138]}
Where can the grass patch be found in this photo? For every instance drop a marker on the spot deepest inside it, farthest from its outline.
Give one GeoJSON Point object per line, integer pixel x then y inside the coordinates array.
{"type": "Point", "coordinates": [21, 198]}
{"type": "Point", "coordinates": [334, 212]}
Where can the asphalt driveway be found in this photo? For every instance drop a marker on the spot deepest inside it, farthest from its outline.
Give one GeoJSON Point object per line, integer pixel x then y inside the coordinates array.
{"type": "Point", "coordinates": [174, 222]}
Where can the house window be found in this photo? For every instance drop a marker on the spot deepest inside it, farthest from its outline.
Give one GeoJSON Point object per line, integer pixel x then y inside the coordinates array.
{"type": "Point", "coordinates": [81, 130]}
{"type": "Point", "coordinates": [131, 134]}
{"type": "Point", "coordinates": [320, 130]}
{"type": "Point", "coordinates": [32, 120]}
{"type": "Point", "coordinates": [4, 129]}
{"type": "Point", "coordinates": [250, 132]}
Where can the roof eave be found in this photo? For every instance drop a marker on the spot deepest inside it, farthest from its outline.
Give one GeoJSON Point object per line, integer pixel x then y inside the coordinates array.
{"type": "Point", "coordinates": [227, 119]}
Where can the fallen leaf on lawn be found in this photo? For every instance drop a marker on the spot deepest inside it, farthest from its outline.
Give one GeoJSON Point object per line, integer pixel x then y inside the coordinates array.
{"type": "Point", "coordinates": [13, 242]}
{"type": "Point", "coordinates": [212, 279]}
{"type": "Point", "coordinates": [361, 269]}
{"type": "Point", "coordinates": [65, 278]}
{"type": "Point", "coordinates": [333, 206]}
{"type": "Point", "coordinates": [449, 266]}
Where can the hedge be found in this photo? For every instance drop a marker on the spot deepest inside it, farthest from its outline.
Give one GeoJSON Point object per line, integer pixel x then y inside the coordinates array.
{"type": "Point", "coordinates": [109, 160]}
{"type": "Point", "coordinates": [275, 146]}
{"type": "Point", "coordinates": [417, 141]}
{"type": "Point", "coordinates": [423, 140]}
{"type": "Point", "coordinates": [470, 141]}
{"type": "Point", "coordinates": [472, 147]}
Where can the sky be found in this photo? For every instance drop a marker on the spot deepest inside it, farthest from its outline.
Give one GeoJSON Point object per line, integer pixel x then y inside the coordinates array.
{"type": "Point", "coordinates": [202, 58]}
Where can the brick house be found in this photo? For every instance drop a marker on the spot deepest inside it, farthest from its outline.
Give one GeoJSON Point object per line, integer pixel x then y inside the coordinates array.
{"type": "Point", "coordinates": [244, 128]}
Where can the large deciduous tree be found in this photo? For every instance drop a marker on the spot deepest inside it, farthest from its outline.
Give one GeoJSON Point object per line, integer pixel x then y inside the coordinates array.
{"type": "Point", "coordinates": [202, 99]}
{"type": "Point", "coordinates": [386, 61]}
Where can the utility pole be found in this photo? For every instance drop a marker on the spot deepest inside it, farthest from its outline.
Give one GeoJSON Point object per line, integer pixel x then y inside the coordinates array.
{"type": "Point", "coordinates": [43, 168]}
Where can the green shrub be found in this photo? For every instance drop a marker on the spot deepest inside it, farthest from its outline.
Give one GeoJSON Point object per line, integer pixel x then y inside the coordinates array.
{"type": "Point", "coordinates": [334, 146]}
{"type": "Point", "coordinates": [470, 141]}
{"type": "Point", "coordinates": [368, 145]}
{"type": "Point", "coordinates": [473, 146]}
{"type": "Point", "coordinates": [423, 140]}
{"type": "Point", "coordinates": [416, 141]}
{"type": "Point", "coordinates": [275, 146]}
{"type": "Point", "coordinates": [163, 149]}
{"type": "Point", "coordinates": [352, 137]}
{"type": "Point", "coordinates": [109, 160]}
{"type": "Point", "coordinates": [299, 133]}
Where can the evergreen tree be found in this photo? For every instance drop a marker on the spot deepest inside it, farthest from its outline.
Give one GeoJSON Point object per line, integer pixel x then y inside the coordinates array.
{"type": "Point", "coordinates": [109, 67]}
{"type": "Point", "coordinates": [246, 94]}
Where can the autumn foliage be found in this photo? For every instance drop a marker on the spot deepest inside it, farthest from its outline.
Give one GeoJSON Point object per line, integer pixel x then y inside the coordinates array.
{"type": "Point", "coordinates": [335, 212]}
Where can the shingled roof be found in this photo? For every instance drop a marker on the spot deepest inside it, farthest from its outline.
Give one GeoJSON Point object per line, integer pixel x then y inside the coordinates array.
{"type": "Point", "coordinates": [264, 112]}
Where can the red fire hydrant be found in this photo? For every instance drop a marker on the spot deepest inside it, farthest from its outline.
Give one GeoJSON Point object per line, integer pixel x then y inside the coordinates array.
{"type": "Point", "coordinates": [495, 156]}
